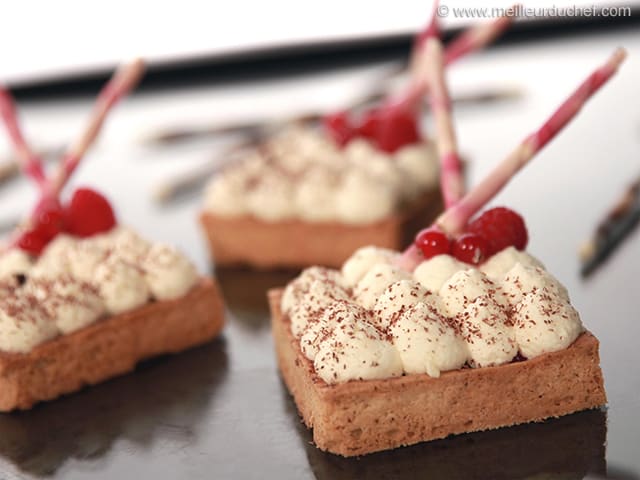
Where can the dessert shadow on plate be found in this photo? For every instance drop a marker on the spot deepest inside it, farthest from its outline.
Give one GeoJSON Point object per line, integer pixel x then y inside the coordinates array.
{"type": "Point", "coordinates": [562, 448]}
{"type": "Point", "coordinates": [164, 399]}
{"type": "Point", "coordinates": [245, 291]}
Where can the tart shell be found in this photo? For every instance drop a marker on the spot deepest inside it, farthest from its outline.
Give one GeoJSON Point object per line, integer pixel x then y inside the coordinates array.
{"type": "Point", "coordinates": [360, 417]}
{"type": "Point", "coordinates": [110, 347]}
{"type": "Point", "coordinates": [246, 240]}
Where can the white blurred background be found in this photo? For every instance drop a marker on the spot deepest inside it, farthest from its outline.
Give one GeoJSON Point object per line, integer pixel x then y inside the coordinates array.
{"type": "Point", "coordinates": [53, 39]}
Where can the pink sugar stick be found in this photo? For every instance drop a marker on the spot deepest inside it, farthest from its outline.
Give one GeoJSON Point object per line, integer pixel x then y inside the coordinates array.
{"type": "Point", "coordinates": [471, 40]}
{"type": "Point", "coordinates": [122, 82]}
{"type": "Point", "coordinates": [30, 163]}
{"type": "Point", "coordinates": [476, 38]}
{"type": "Point", "coordinates": [454, 219]}
{"type": "Point", "coordinates": [451, 182]}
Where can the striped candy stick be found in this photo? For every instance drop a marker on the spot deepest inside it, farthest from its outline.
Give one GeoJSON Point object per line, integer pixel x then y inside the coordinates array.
{"type": "Point", "coordinates": [29, 161]}
{"type": "Point", "coordinates": [122, 82]}
{"type": "Point", "coordinates": [455, 218]}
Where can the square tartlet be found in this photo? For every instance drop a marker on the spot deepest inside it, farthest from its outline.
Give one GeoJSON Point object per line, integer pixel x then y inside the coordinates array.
{"type": "Point", "coordinates": [360, 417]}
{"type": "Point", "coordinates": [110, 347]}
{"type": "Point", "coordinates": [298, 192]}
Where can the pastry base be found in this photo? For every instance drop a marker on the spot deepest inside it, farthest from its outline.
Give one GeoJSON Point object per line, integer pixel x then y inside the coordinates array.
{"type": "Point", "coordinates": [110, 347]}
{"type": "Point", "coordinates": [295, 244]}
{"type": "Point", "coordinates": [361, 417]}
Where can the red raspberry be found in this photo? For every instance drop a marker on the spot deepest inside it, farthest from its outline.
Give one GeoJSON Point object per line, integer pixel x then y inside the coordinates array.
{"type": "Point", "coordinates": [31, 241]}
{"type": "Point", "coordinates": [470, 248]}
{"type": "Point", "coordinates": [339, 128]}
{"type": "Point", "coordinates": [89, 213]}
{"type": "Point", "coordinates": [397, 127]}
{"type": "Point", "coordinates": [390, 127]}
{"type": "Point", "coordinates": [49, 218]}
{"type": "Point", "coordinates": [369, 124]}
{"type": "Point", "coordinates": [432, 241]}
{"type": "Point", "coordinates": [502, 228]}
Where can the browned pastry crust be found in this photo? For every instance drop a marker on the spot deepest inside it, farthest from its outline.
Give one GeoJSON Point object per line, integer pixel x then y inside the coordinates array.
{"type": "Point", "coordinates": [248, 241]}
{"type": "Point", "coordinates": [360, 417]}
{"type": "Point", "coordinates": [110, 347]}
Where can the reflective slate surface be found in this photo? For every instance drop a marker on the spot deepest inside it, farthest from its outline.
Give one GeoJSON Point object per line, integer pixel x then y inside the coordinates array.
{"type": "Point", "coordinates": [190, 416]}
{"type": "Point", "coordinates": [201, 415]}
{"type": "Point", "coordinates": [215, 412]}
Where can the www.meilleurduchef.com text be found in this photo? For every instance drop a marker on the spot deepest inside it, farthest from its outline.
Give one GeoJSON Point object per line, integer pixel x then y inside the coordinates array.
{"type": "Point", "coordinates": [522, 11]}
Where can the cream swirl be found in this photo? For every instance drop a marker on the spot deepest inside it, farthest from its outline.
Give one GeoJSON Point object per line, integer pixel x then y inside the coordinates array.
{"type": "Point", "coordinates": [72, 303]}
{"type": "Point", "coordinates": [374, 311]}
{"type": "Point", "coordinates": [427, 343]}
{"type": "Point", "coordinates": [299, 173]}
{"type": "Point", "coordinates": [121, 285]}
{"type": "Point", "coordinates": [24, 323]}
{"type": "Point", "coordinates": [14, 262]}
{"type": "Point", "coordinates": [356, 350]}
{"type": "Point", "coordinates": [168, 273]}
{"type": "Point", "coordinates": [545, 323]}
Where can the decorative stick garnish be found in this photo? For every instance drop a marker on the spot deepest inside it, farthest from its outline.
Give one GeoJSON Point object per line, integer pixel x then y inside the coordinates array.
{"type": "Point", "coordinates": [10, 166]}
{"type": "Point", "coordinates": [122, 82]}
{"type": "Point", "coordinates": [451, 182]}
{"type": "Point", "coordinates": [418, 71]}
{"type": "Point", "coordinates": [29, 162]}
{"type": "Point", "coordinates": [88, 212]}
{"type": "Point", "coordinates": [471, 40]}
{"type": "Point", "coordinates": [454, 219]}
{"type": "Point", "coordinates": [614, 228]}
{"type": "Point", "coordinates": [480, 36]}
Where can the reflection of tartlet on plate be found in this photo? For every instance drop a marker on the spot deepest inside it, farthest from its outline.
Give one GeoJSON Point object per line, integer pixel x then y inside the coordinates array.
{"type": "Point", "coordinates": [163, 404]}
{"type": "Point", "coordinates": [311, 196]}
{"type": "Point", "coordinates": [243, 288]}
{"type": "Point", "coordinates": [81, 298]}
{"type": "Point", "coordinates": [558, 449]}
